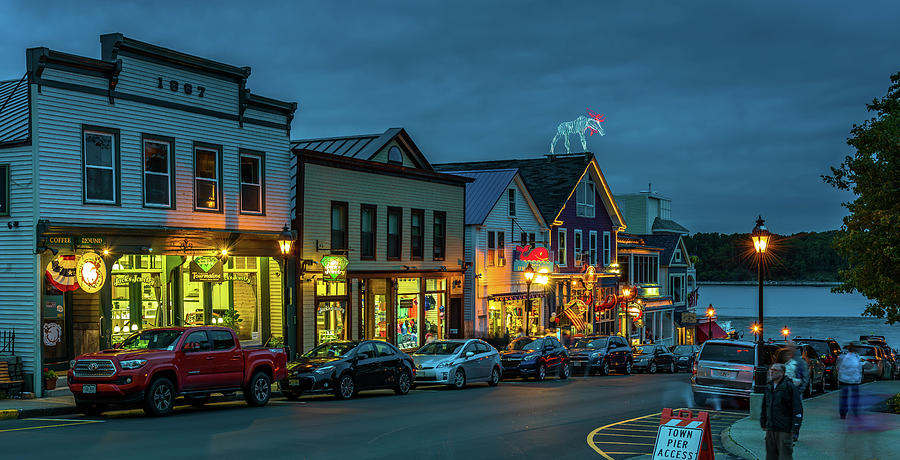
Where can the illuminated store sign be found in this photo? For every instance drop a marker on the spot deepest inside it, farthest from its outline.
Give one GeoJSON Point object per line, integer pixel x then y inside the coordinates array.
{"type": "Point", "coordinates": [206, 269]}
{"type": "Point", "coordinates": [90, 272]}
{"type": "Point", "coordinates": [538, 258]}
{"type": "Point", "coordinates": [335, 268]}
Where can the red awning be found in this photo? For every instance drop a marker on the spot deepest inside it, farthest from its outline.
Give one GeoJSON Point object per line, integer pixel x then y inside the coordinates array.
{"type": "Point", "coordinates": [703, 332]}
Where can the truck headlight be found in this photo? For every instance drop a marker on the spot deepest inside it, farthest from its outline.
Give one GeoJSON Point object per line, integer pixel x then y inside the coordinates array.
{"type": "Point", "coordinates": [133, 363]}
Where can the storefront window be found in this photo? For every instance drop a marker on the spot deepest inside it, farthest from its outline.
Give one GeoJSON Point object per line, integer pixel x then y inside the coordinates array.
{"type": "Point", "coordinates": [408, 313]}
{"type": "Point", "coordinates": [330, 321]}
{"type": "Point", "coordinates": [495, 318]}
{"type": "Point", "coordinates": [374, 310]}
{"type": "Point", "coordinates": [435, 310]}
{"type": "Point", "coordinates": [515, 317]}
{"type": "Point", "coordinates": [137, 295]}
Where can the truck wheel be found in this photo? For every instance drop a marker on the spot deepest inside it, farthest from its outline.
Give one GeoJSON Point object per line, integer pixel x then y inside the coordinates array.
{"type": "Point", "coordinates": [346, 387]}
{"type": "Point", "coordinates": [258, 390]}
{"type": "Point", "coordinates": [404, 383]}
{"type": "Point", "coordinates": [160, 398]}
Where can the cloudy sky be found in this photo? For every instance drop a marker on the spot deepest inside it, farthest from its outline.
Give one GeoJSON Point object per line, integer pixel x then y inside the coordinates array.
{"type": "Point", "coordinates": [730, 110]}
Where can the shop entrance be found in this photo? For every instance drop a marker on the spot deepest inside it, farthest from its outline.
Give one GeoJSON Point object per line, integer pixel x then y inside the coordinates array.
{"type": "Point", "coordinates": [332, 315]}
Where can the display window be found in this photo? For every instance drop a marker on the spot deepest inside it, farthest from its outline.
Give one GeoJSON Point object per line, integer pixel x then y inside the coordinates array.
{"type": "Point", "coordinates": [374, 309]}
{"type": "Point", "coordinates": [435, 309]}
{"type": "Point", "coordinates": [515, 317]}
{"type": "Point", "coordinates": [408, 307]}
{"type": "Point", "coordinates": [330, 321]}
{"type": "Point", "coordinates": [495, 318]}
{"type": "Point", "coordinates": [138, 295]}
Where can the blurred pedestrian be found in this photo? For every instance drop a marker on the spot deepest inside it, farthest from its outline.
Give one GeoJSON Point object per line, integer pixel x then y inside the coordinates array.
{"type": "Point", "coordinates": [795, 367]}
{"type": "Point", "coordinates": [781, 414]}
{"type": "Point", "coordinates": [521, 333]}
{"type": "Point", "coordinates": [849, 376]}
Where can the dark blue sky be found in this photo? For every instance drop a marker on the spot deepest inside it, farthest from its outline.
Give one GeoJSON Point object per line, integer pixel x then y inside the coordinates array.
{"type": "Point", "coordinates": [731, 110]}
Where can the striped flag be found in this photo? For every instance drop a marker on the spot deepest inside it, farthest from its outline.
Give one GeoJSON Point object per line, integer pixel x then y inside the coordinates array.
{"type": "Point", "coordinates": [574, 317]}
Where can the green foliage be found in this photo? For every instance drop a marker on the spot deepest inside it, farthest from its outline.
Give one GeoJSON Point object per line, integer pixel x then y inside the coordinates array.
{"type": "Point", "coordinates": [893, 403]}
{"type": "Point", "coordinates": [231, 318]}
{"type": "Point", "coordinates": [870, 235]}
{"type": "Point", "coordinates": [799, 257]}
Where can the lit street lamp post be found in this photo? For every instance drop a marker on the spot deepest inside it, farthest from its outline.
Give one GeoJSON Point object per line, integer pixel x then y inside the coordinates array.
{"type": "Point", "coordinates": [710, 312]}
{"type": "Point", "coordinates": [285, 241]}
{"type": "Point", "coordinates": [760, 237]}
{"type": "Point", "coordinates": [785, 332]}
{"type": "Point", "coordinates": [529, 277]}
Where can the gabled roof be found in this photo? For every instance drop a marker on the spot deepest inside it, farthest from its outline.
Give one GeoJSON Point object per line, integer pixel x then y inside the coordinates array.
{"type": "Point", "coordinates": [550, 180]}
{"type": "Point", "coordinates": [666, 225]}
{"type": "Point", "coordinates": [488, 188]}
{"type": "Point", "coordinates": [630, 241]}
{"type": "Point", "coordinates": [362, 147]}
{"type": "Point", "coordinates": [667, 241]}
{"type": "Point", "coordinates": [14, 111]}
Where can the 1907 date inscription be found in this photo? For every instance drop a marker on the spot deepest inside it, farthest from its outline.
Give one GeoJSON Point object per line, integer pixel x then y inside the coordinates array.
{"type": "Point", "coordinates": [174, 86]}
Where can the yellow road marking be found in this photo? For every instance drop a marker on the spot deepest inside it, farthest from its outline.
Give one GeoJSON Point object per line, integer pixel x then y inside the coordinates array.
{"type": "Point", "coordinates": [590, 436]}
{"type": "Point", "coordinates": [624, 443]}
{"type": "Point", "coordinates": [633, 429]}
{"type": "Point", "coordinates": [83, 422]}
{"type": "Point", "coordinates": [628, 435]}
{"type": "Point", "coordinates": [628, 453]}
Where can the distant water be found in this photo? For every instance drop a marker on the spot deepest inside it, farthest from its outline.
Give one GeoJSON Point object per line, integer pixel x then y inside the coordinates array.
{"type": "Point", "coordinates": [807, 311]}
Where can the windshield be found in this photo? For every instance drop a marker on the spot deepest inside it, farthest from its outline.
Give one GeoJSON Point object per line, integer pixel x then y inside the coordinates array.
{"type": "Point", "coordinates": [439, 348]}
{"type": "Point", "coordinates": [642, 350]}
{"type": "Point", "coordinates": [526, 343]}
{"type": "Point", "coordinates": [727, 353]}
{"type": "Point", "coordinates": [331, 350]}
{"type": "Point", "coordinates": [683, 349]}
{"type": "Point", "coordinates": [152, 340]}
{"type": "Point", "coordinates": [588, 343]}
{"type": "Point", "coordinates": [866, 351]}
{"type": "Point", "coordinates": [820, 347]}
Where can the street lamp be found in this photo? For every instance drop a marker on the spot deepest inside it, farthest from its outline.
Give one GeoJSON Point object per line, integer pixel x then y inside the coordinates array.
{"type": "Point", "coordinates": [529, 277]}
{"type": "Point", "coordinates": [710, 312]}
{"type": "Point", "coordinates": [285, 242]}
{"type": "Point", "coordinates": [785, 332]}
{"type": "Point", "coordinates": [755, 328]}
{"type": "Point", "coordinates": [760, 236]}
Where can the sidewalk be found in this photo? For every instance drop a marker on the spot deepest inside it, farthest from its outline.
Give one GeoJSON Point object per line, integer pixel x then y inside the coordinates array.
{"type": "Point", "coordinates": [824, 435]}
{"type": "Point", "coordinates": [55, 402]}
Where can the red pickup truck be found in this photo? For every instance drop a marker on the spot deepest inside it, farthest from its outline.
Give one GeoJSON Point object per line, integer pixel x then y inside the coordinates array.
{"type": "Point", "coordinates": [154, 366]}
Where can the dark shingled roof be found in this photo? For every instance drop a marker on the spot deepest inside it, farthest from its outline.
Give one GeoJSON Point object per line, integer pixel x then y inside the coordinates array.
{"type": "Point", "coordinates": [667, 241]}
{"type": "Point", "coordinates": [549, 180]}
{"type": "Point", "coordinates": [666, 225]}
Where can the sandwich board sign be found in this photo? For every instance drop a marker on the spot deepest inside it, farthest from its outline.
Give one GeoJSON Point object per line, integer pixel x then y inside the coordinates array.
{"type": "Point", "coordinates": [682, 436]}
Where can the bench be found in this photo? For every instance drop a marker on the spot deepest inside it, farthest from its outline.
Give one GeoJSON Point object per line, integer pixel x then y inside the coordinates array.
{"type": "Point", "coordinates": [10, 381]}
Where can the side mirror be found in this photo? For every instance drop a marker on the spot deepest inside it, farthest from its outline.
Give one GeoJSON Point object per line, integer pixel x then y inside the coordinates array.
{"type": "Point", "coordinates": [191, 347]}
{"type": "Point", "coordinates": [362, 356]}
{"type": "Point", "coordinates": [470, 354]}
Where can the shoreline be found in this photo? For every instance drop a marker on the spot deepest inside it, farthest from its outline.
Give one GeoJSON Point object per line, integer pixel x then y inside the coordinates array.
{"type": "Point", "coordinates": [770, 283]}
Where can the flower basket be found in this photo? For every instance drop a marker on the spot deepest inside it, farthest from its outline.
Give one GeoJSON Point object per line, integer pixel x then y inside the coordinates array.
{"type": "Point", "coordinates": [49, 384]}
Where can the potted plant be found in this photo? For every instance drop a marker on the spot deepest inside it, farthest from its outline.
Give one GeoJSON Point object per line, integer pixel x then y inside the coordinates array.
{"type": "Point", "coordinates": [49, 379]}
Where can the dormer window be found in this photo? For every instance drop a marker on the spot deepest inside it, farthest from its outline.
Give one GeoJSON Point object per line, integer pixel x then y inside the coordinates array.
{"type": "Point", "coordinates": [678, 255]}
{"type": "Point", "coordinates": [584, 198]}
{"type": "Point", "coordinates": [395, 156]}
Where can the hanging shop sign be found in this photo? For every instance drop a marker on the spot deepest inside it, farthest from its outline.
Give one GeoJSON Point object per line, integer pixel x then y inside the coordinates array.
{"type": "Point", "coordinates": [51, 333]}
{"type": "Point", "coordinates": [90, 272]}
{"type": "Point", "coordinates": [207, 269]}
{"type": "Point", "coordinates": [335, 268]}
{"type": "Point", "coordinates": [538, 258]}
{"type": "Point", "coordinates": [61, 273]}
{"type": "Point", "coordinates": [91, 240]}
{"type": "Point", "coordinates": [589, 278]}
{"type": "Point", "coordinates": [125, 279]}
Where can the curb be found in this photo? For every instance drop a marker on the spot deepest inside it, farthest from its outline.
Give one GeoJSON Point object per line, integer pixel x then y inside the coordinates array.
{"type": "Point", "coordinates": [11, 414]}
{"type": "Point", "coordinates": [733, 447]}
{"type": "Point", "coordinates": [7, 414]}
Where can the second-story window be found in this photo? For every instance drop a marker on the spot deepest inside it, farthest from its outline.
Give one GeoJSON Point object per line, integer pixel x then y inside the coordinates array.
{"type": "Point", "coordinates": [394, 233]}
{"type": "Point", "coordinates": [584, 198]}
{"type": "Point", "coordinates": [417, 234]}
{"type": "Point", "coordinates": [607, 248]}
{"type": "Point", "coordinates": [158, 182]}
{"type": "Point", "coordinates": [491, 249]}
{"type": "Point", "coordinates": [561, 247]}
{"type": "Point", "coordinates": [579, 257]}
{"type": "Point", "coordinates": [511, 194]}
{"type": "Point", "coordinates": [592, 247]}
{"type": "Point", "coordinates": [367, 219]}
{"type": "Point", "coordinates": [439, 236]}
{"type": "Point", "coordinates": [207, 183]}
{"type": "Point", "coordinates": [338, 226]}
{"type": "Point", "coordinates": [251, 183]}
{"type": "Point", "coordinates": [100, 167]}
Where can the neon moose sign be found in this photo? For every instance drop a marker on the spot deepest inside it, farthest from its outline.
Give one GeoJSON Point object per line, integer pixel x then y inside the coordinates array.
{"type": "Point", "coordinates": [578, 126]}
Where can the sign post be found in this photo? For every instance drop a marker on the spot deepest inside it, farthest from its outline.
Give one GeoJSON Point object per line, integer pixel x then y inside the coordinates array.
{"type": "Point", "coordinates": [682, 435]}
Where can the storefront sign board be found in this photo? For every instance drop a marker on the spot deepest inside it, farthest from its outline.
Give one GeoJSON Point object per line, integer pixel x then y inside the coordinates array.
{"type": "Point", "coordinates": [61, 241]}
{"type": "Point", "coordinates": [91, 240]}
{"type": "Point", "coordinates": [232, 276]}
{"type": "Point", "coordinates": [538, 258]}
{"type": "Point", "coordinates": [206, 269]}
{"type": "Point", "coordinates": [125, 279]}
{"type": "Point", "coordinates": [90, 271]}
{"type": "Point", "coordinates": [335, 268]}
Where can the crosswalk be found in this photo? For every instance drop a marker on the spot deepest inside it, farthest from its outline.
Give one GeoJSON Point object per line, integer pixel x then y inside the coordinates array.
{"type": "Point", "coordinates": [635, 437]}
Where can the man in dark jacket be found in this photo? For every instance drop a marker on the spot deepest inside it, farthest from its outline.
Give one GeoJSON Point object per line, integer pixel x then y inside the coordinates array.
{"type": "Point", "coordinates": [782, 413]}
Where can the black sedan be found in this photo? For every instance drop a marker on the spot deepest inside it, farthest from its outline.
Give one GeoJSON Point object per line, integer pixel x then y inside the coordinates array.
{"type": "Point", "coordinates": [535, 357]}
{"type": "Point", "coordinates": [685, 356]}
{"type": "Point", "coordinates": [345, 368]}
{"type": "Point", "coordinates": [652, 358]}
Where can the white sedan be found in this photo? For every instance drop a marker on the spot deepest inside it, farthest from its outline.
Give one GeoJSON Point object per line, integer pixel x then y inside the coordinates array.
{"type": "Point", "coordinates": [457, 362]}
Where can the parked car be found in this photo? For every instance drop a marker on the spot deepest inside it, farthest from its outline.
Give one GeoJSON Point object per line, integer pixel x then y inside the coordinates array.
{"type": "Point", "coordinates": [535, 357]}
{"type": "Point", "coordinates": [457, 363]}
{"type": "Point", "coordinates": [873, 361]}
{"type": "Point", "coordinates": [345, 368]}
{"type": "Point", "coordinates": [602, 354]}
{"type": "Point", "coordinates": [726, 368]}
{"type": "Point", "coordinates": [893, 358]}
{"type": "Point", "coordinates": [652, 358]}
{"type": "Point", "coordinates": [154, 366]}
{"type": "Point", "coordinates": [889, 362]}
{"type": "Point", "coordinates": [829, 351]}
{"type": "Point", "coordinates": [685, 356]}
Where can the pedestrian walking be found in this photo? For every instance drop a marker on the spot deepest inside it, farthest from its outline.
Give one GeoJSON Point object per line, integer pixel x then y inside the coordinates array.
{"type": "Point", "coordinates": [781, 415]}
{"type": "Point", "coordinates": [795, 367]}
{"type": "Point", "coordinates": [521, 333]}
{"type": "Point", "coordinates": [849, 377]}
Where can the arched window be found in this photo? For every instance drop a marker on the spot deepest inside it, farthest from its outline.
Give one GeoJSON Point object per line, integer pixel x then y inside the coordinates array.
{"type": "Point", "coordinates": [394, 155]}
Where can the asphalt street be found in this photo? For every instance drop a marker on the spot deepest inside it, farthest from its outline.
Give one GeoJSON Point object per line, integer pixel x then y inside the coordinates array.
{"type": "Point", "coordinates": [518, 419]}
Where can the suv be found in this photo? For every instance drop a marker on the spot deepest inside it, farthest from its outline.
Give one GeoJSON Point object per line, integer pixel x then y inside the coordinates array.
{"type": "Point", "coordinates": [726, 368]}
{"type": "Point", "coordinates": [816, 368]}
{"type": "Point", "coordinates": [891, 357]}
{"type": "Point", "coordinates": [652, 358]}
{"type": "Point", "coordinates": [535, 357]}
{"type": "Point", "coordinates": [829, 351]}
{"type": "Point", "coordinates": [601, 353]}
{"type": "Point", "coordinates": [874, 366]}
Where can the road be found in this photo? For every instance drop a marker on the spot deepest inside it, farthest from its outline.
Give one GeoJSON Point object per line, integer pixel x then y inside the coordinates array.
{"type": "Point", "coordinates": [518, 419]}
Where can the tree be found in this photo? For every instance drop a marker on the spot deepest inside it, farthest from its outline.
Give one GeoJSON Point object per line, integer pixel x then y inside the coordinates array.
{"type": "Point", "coordinates": [870, 236]}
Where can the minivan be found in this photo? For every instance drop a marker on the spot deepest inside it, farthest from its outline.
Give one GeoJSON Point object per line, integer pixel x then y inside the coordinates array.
{"type": "Point", "coordinates": [726, 367]}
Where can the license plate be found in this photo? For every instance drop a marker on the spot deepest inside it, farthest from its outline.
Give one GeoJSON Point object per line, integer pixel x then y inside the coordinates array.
{"type": "Point", "coordinates": [89, 388]}
{"type": "Point", "coordinates": [723, 374]}
{"type": "Point", "coordinates": [294, 382]}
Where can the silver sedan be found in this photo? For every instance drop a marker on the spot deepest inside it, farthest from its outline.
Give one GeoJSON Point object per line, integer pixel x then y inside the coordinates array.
{"type": "Point", "coordinates": [457, 362]}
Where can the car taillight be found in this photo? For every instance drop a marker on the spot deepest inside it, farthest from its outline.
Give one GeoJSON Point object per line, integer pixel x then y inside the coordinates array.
{"type": "Point", "coordinates": [828, 361]}
{"type": "Point", "coordinates": [694, 368]}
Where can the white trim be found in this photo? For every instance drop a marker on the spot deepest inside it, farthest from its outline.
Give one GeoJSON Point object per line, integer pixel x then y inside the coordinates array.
{"type": "Point", "coordinates": [214, 180]}
{"type": "Point", "coordinates": [167, 175]}
{"type": "Point", "coordinates": [85, 166]}
{"type": "Point", "coordinates": [259, 174]}
{"type": "Point", "coordinates": [562, 243]}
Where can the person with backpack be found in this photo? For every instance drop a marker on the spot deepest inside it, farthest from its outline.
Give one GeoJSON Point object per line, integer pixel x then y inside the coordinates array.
{"type": "Point", "coordinates": [849, 377]}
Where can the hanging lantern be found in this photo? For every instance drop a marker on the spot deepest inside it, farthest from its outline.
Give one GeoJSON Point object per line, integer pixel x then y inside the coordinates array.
{"type": "Point", "coordinates": [61, 273]}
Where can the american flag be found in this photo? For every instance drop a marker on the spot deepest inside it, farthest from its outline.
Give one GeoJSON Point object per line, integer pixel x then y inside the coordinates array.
{"type": "Point", "coordinates": [574, 317]}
